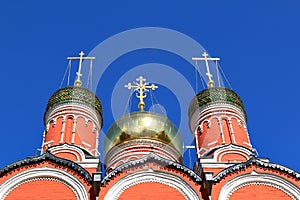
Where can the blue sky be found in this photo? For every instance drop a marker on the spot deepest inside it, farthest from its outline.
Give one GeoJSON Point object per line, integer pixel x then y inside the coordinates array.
{"type": "Point", "coordinates": [258, 43]}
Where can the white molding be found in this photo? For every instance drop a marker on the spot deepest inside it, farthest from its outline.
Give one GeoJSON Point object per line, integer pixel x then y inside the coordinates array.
{"type": "Point", "coordinates": [68, 151]}
{"type": "Point", "coordinates": [73, 109]}
{"type": "Point", "coordinates": [62, 136]}
{"type": "Point", "coordinates": [46, 143]}
{"type": "Point", "coordinates": [86, 144]}
{"type": "Point", "coordinates": [256, 178]}
{"type": "Point", "coordinates": [222, 109]}
{"type": "Point", "coordinates": [234, 151]}
{"type": "Point", "coordinates": [217, 165]}
{"type": "Point", "coordinates": [67, 148]}
{"type": "Point", "coordinates": [220, 123]}
{"type": "Point", "coordinates": [89, 165]}
{"type": "Point", "coordinates": [138, 148]}
{"type": "Point", "coordinates": [81, 160]}
{"type": "Point", "coordinates": [212, 143]}
{"type": "Point", "coordinates": [231, 130]}
{"type": "Point", "coordinates": [227, 149]}
{"type": "Point", "coordinates": [43, 173]}
{"type": "Point", "coordinates": [151, 176]}
{"type": "Point", "coordinates": [74, 130]}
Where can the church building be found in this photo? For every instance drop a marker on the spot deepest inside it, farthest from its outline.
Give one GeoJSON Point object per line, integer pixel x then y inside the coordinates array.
{"type": "Point", "coordinates": [143, 152]}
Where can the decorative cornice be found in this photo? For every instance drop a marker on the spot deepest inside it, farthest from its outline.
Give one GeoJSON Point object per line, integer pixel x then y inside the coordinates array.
{"type": "Point", "coordinates": [47, 156]}
{"type": "Point", "coordinates": [40, 179]}
{"type": "Point", "coordinates": [74, 110]}
{"type": "Point", "coordinates": [211, 151]}
{"type": "Point", "coordinates": [259, 163]}
{"type": "Point", "coordinates": [73, 146]}
{"type": "Point", "coordinates": [150, 176]}
{"type": "Point", "coordinates": [138, 148]}
{"type": "Point", "coordinates": [151, 157]}
{"type": "Point", "coordinates": [276, 186]}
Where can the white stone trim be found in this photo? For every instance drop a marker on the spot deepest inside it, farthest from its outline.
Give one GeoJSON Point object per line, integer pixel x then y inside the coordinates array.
{"type": "Point", "coordinates": [255, 178]}
{"type": "Point", "coordinates": [73, 109]}
{"type": "Point", "coordinates": [225, 149]}
{"type": "Point", "coordinates": [151, 176]}
{"type": "Point", "coordinates": [138, 148]}
{"type": "Point", "coordinates": [89, 165]}
{"type": "Point", "coordinates": [43, 142]}
{"type": "Point", "coordinates": [196, 135]}
{"type": "Point", "coordinates": [231, 130]}
{"type": "Point", "coordinates": [69, 149]}
{"type": "Point", "coordinates": [212, 143]}
{"type": "Point", "coordinates": [46, 143]}
{"type": "Point", "coordinates": [74, 130]}
{"type": "Point", "coordinates": [217, 165]}
{"type": "Point", "coordinates": [220, 123]}
{"type": "Point", "coordinates": [44, 173]}
{"type": "Point", "coordinates": [234, 151]}
{"type": "Point", "coordinates": [222, 109]}
{"type": "Point", "coordinates": [81, 160]}
{"type": "Point", "coordinates": [86, 144]}
{"type": "Point", "coordinates": [62, 136]}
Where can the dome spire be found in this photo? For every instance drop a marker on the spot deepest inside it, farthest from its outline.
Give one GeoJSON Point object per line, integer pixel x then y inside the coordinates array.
{"type": "Point", "coordinates": [78, 82]}
{"type": "Point", "coordinates": [210, 82]}
{"type": "Point", "coordinates": [141, 87]}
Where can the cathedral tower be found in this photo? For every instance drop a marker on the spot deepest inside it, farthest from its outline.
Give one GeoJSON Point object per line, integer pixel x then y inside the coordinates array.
{"type": "Point", "coordinates": [73, 119]}
{"type": "Point", "coordinates": [217, 119]}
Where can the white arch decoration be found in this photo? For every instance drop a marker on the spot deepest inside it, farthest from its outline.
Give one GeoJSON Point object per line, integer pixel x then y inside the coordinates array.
{"type": "Point", "coordinates": [151, 176]}
{"type": "Point", "coordinates": [255, 178]}
{"type": "Point", "coordinates": [44, 174]}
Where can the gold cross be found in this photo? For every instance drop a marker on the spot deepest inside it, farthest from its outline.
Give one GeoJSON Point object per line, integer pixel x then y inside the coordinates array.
{"type": "Point", "coordinates": [210, 82]}
{"type": "Point", "coordinates": [141, 87]}
{"type": "Point", "coordinates": [78, 73]}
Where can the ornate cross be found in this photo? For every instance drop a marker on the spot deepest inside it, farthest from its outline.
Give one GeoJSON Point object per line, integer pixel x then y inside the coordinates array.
{"type": "Point", "coordinates": [210, 82]}
{"type": "Point", "coordinates": [141, 87]}
{"type": "Point", "coordinates": [78, 73]}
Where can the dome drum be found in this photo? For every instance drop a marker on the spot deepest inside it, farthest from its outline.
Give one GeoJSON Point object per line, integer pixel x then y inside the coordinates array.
{"type": "Point", "coordinates": [138, 148]}
{"type": "Point", "coordinates": [215, 95]}
{"type": "Point", "coordinates": [75, 95]}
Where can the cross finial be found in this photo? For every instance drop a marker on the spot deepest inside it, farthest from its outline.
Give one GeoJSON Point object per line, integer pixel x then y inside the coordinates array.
{"type": "Point", "coordinates": [78, 73]}
{"type": "Point", "coordinates": [141, 87]}
{"type": "Point", "coordinates": [210, 82]}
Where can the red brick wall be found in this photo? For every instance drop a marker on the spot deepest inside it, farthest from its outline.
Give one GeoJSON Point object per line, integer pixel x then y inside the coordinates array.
{"type": "Point", "coordinates": [42, 189]}
{"type": "Point", "coordinates": [263, 192]}
{"type": "Point", "coordinates": [259, 192]}
{"type": "Point", "coordinates": [153, 191]}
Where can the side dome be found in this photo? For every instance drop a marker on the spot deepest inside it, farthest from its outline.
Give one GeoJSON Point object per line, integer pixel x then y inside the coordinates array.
{"type": "Point", "coordinates": [215, 95]}
{"type": "Point", "coordinates": [143, 125]}
{"type": "Point", "coordinates": [73, 94]}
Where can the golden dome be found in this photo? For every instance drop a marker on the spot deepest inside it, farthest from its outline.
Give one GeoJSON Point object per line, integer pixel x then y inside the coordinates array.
{"type": "Point", "coordinates": [143, 125]}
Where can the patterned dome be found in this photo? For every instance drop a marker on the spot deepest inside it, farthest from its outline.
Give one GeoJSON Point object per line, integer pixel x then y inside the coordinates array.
{"type": "Point", "coordinates": [215, 95]}
{"type": "Point", "coordinates": [76, 95]}
{"type": "Point", "coordinates": [143, 125]}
